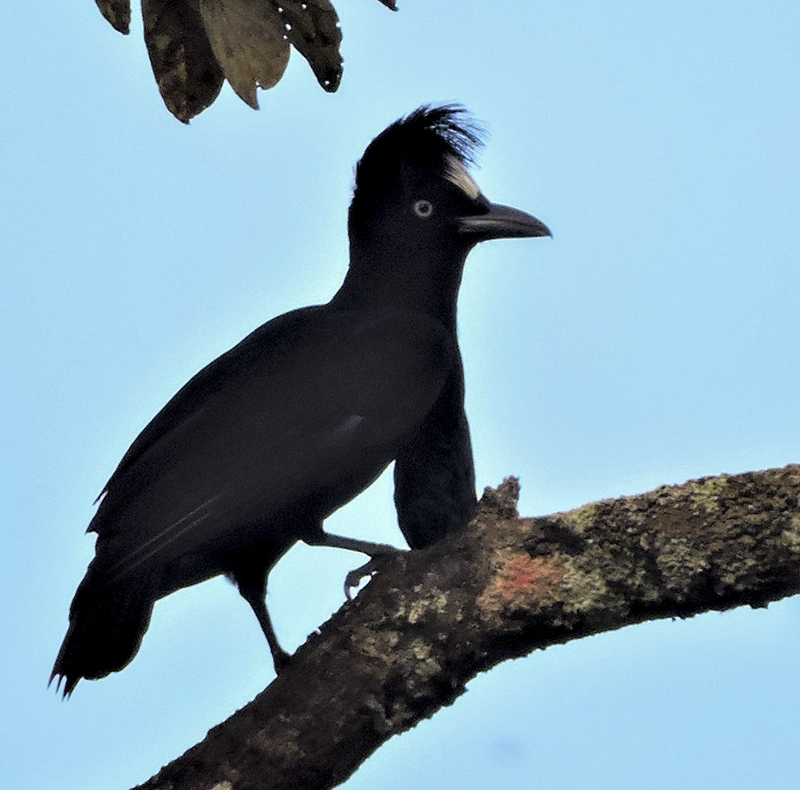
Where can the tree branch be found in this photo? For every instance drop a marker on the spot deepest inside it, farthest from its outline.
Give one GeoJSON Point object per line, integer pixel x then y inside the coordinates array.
{"type": "Point", "coordinates": [433, 619]}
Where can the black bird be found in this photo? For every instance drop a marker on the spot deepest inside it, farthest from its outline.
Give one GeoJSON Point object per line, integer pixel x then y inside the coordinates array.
{"type": "Point", "coordinates": [256, 450]}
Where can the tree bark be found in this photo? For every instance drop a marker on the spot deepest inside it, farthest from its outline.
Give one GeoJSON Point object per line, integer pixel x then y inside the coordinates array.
{"type": "Point", "coordinates": [431, 620]}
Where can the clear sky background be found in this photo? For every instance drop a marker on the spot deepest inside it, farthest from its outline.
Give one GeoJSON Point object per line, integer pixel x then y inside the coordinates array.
{"type": "Point", "coordinates": [653, 340]}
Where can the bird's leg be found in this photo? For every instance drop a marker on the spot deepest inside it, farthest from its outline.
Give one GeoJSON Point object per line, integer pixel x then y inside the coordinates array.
{"type": "Point", "coordinates": [351, 544]}
{"type": "Point", "coordinates": [255, 595]}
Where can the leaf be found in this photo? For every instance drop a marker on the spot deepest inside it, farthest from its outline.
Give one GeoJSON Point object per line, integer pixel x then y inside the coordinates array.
{"type": "Point", "coordinates": [194, 45]}
{"type": "Point", "coordinates": [315, 33]}
{"type": "Point", "coordinates": [185, 67]}
{"type": "Point", "coordinates": [118, 14]}
{"type": "Point", "coordinates": [249, 41]}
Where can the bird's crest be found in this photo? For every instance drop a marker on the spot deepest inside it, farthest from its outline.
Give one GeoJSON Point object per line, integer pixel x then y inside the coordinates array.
{"type": "Point", "coordinates": [444, 138]}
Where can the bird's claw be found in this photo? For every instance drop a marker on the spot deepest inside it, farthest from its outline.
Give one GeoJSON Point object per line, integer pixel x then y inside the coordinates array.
{"type": "Point", "coordinates": [353, 579]}
{"type": "Point", "coordinates": [376, 563]}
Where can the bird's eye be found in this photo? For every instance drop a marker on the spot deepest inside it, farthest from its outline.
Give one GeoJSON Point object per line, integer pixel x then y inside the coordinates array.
{"type": "Point", "coordinates": [423, 208]}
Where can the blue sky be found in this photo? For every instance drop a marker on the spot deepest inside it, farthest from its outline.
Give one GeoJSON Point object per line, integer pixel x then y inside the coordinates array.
{"type": "Point", "coordinates": [654, 339]}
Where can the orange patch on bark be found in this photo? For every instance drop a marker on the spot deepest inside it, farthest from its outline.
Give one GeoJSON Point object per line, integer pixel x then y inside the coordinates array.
{"type": "Point", "coordinates": [521, 580]}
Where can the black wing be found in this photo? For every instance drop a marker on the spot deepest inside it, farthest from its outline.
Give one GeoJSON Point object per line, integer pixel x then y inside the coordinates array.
{"type": "Point", "coordinates": [295, 420]}
{"type": "Point", "coordinates": [434, 475]}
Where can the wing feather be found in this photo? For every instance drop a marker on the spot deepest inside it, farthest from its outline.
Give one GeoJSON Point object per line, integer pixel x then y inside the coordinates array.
{"type": "Point", "coordinates": [296, 419]}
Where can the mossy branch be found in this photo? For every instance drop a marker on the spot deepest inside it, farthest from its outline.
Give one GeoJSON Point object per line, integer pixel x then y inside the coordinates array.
{"type": "Point", "coordinates": [433, 619]}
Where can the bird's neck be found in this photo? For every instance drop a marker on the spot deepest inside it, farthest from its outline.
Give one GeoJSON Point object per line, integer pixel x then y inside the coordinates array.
{"type": "Point", "coordinates": [426, 283]}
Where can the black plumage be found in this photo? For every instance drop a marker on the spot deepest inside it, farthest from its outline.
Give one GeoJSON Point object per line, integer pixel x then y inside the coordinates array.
{"type": "Point", "coordinates": [256, 450]}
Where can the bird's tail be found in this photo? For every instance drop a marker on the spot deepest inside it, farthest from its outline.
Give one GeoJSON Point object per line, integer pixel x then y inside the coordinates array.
{"type": "Point", "coordinates": [106, 624]}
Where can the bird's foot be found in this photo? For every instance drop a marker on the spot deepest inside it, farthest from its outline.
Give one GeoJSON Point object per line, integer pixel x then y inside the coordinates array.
{"type": "Point", "coordinates": [281, 659]}
{"type": "Point", "coordinates": [376, 563]}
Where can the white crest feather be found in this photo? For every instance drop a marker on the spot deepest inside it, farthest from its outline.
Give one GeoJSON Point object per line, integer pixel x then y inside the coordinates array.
{"type": "Point", "coordinates": [458, 175]}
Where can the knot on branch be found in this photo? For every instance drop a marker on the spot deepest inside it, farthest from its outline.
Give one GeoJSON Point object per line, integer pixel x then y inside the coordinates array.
{"type": "Point", "coordinates": [501, 502]}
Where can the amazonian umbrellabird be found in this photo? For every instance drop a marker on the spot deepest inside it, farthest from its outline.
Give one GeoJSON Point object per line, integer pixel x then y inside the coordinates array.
{"type": "Point", "coordinates": [263, 444]}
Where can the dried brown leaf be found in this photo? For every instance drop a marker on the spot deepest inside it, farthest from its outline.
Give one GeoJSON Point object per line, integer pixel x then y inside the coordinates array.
{"type": "Point", "coordinates": [183, 62]}
{"type": "Point", "coordinates": [315, 33]}
{"type": "Point", "coordinates": [118, 14]}
{"type": "Point", "coordinates": [249, 41]}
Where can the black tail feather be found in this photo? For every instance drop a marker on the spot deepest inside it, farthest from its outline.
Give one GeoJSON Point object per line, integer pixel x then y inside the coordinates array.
{"type": "Point", "coordinates": [106, 626]}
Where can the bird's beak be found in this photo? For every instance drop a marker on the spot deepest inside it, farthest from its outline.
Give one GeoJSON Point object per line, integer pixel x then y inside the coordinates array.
{"type": "Point", "coordinates": [502, 222]}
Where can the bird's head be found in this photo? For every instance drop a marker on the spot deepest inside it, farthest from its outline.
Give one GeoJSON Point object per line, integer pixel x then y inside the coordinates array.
{"type": "Point", "coordinates": [417, 212]}
{"type": "Point", "coordinates": [413, 185]}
